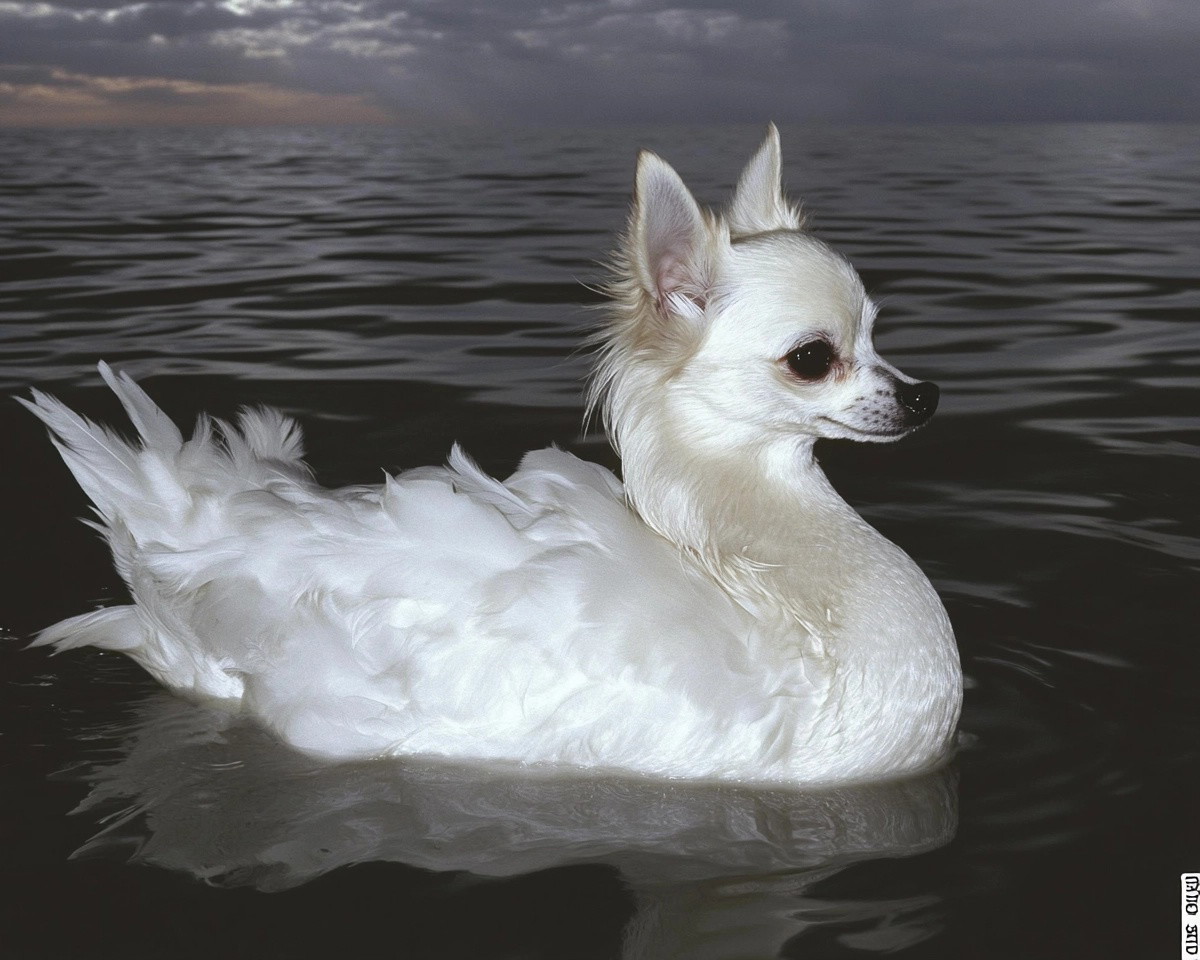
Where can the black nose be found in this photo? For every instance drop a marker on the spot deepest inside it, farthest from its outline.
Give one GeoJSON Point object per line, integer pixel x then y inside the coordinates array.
{"type": "Point", "coordinates": [919, 399]}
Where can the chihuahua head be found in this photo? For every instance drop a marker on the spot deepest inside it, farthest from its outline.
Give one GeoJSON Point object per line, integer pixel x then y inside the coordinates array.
{"type": "Point", "coordinates": [744, 328]}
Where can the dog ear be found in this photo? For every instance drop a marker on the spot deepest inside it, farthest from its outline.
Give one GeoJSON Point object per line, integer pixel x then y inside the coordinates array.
{"type": "Point", "coordinates": [758, 203]}
{"type": "Point", "coordinates": [671, 241]}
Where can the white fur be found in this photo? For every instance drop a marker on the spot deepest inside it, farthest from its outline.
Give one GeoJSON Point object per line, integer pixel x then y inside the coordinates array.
{"type": "Point", "coordinates": [723, 615]}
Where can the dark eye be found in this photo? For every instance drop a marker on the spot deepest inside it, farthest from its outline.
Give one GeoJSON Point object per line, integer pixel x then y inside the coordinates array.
{"type": "Point", "coordinates": [811, 361]}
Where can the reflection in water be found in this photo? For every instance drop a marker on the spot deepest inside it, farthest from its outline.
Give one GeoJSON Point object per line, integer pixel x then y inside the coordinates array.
{"type": "Point", "coordinates": [716, 871]}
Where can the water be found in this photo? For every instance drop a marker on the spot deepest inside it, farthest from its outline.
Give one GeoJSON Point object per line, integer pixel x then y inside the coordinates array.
{"type": "Point", "coordinates": [397, 289]}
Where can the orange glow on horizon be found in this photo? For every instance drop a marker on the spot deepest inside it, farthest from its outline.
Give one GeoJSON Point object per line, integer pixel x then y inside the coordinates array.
{"type": "Point", "coordinates": [79, 100]}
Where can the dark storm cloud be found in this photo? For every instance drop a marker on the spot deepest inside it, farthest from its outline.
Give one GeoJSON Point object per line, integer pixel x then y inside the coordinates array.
{"type": "Point", "coordinates": [541, 61]}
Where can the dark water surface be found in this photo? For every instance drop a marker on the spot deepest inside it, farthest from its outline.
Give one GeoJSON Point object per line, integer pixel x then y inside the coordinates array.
{"type": "Point", "coordinates": [398, 289]}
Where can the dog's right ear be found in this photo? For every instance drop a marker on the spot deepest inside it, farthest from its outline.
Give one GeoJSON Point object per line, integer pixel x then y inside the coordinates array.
{"type": "Point", "coordinates": [758, 203]}
{"type": "Point", "coordinates": [671, 242]}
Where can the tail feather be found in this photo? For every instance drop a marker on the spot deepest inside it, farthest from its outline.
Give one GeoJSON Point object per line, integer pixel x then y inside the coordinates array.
{"type": "Point", "coordinates": [153, 426]}
{"type": "Point", "coordinates": [112, 628]}
{"type": "Point", "coordinates": [270, 435]}
{"type": "Point", "coordinates": [144, 487]}
{"type": "Point", "coordinates": [104, 464]}
{"type": "Point", "coordinates": [174, 662]}
{"type": "Point", "coordinates": [158, 501]}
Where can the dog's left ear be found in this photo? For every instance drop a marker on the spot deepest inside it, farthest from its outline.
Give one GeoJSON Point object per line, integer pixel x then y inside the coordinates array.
{"type": "Point", "coordinates": [758, 203]}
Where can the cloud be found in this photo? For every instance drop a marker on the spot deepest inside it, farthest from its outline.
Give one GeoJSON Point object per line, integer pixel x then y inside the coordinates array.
{"type": "Point", "coordinates": [552, 61]}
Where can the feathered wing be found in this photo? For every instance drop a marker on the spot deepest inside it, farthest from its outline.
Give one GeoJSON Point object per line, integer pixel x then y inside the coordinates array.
{"type": "Point", "coordinates": [442, 612]}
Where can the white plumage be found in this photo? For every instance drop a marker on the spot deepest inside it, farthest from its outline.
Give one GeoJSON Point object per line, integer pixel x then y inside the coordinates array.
{"type": "Point", "coordinates": [728, 616]}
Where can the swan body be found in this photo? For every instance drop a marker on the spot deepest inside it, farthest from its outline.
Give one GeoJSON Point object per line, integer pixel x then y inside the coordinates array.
{"type": "Point", "coordinates": [723, 615]}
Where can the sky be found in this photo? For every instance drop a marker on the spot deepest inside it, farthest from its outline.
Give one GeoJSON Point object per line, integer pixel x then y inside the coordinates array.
{"type": "Point", "coordinates": [130, 62]}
